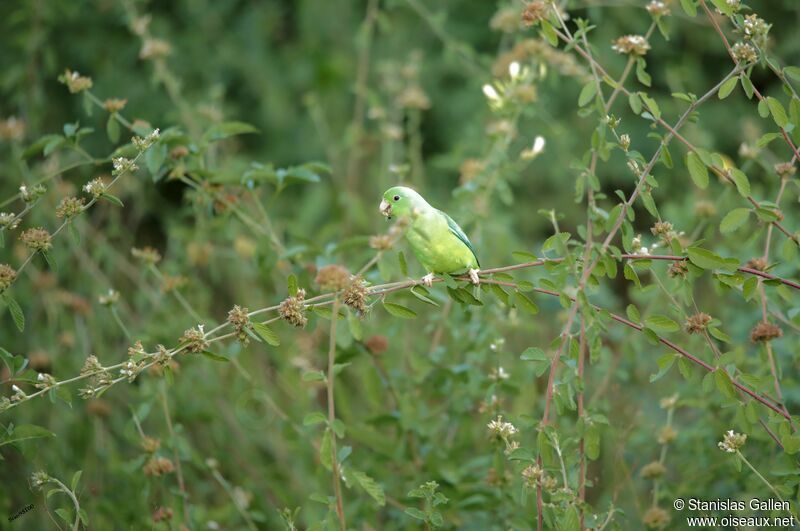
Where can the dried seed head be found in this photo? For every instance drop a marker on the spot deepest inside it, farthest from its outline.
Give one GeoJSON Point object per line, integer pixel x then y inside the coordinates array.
{"type": "Point", "coordinates": [332, 277]}
{"type": "Point", "coordinates": [91, 365]}
{"type": "Point", "coordinates": [162, 514]}
{"type": "Point", "coordinates": [75, 82]}
{"type": "Point", "coordinates": [355, 296]}
{"type": "Point", "coordinates": [534, 13]}
{"type": "Point", "coordinates": [148, 255]}
{"type": "Point", "coordinates": [12, 129]}
{"type": "Point", "coordinates": [631, 45]}
{"type": "Point", "coordinates": [7, 276]}
{"type": "Point", "coordinates": [764, 332]}
{"type": "Point", "coordinates": [110, 298]}
{"type": "Point", "coordinates": [657, 8]}
{"type": "Point", "coordinates": [114, 104]}
{"type": "Point", "coordinates": [150, 445]}
{"type": "Point", "coordinates": [158, 466]}
{"type": "Point", "coordinates": [759, 264]}
{"type": "Point", "coordinates": [380, 242]}
{"type": "Point", "coordinates": [705, 209]}
{"type": "Point", "coordinates": [785, 170]}
{"type": "Point", "coordinates": [29, 194]}
{"type": "Point", "coordinates": [653, 470]}
{"type": "Point", "coordinates": [293, 311]}
{"type": "Point", "coordinates": [663, 229]}
{"type": "Point", "coordinates": [95, 187]}
{"type": "Point", "coordinates": [697, 323]}
{"type": "Point", "coordinates": [377, 344]}
{"type": "Point", "coordinates": [178, 152]}
{"type": "Point", "coordinates": [667, 435]}
{"type": "Point", "coordinates": [37, 239]}
{"type": "Point", "coordinates": [38, 479]}
{"type": "Point", "coordinates": [506, 20]}
{"type": "Point", "coordinates": [154, 49]}
{"type": "Point", "coordinates": [532, 475]}
{"type": "Point", "coordinates": [625, 142]}
{"type": "Point", "coordinates": [69, 207]}
{"type": "Point", "coordinates": [172, 283]}
{"type": "Point", "coordinates": [732, 441]}
{"type": "Point", "coordinates": [668, 402]}
{"type": "Point", "coordinates": [194, 340]}
{"type": "Point", "coordinates": [655, 518]}
{"type": "Point", "coordinates": [240, 322]}
{"type": "Point", "coordinates": [744, 52]}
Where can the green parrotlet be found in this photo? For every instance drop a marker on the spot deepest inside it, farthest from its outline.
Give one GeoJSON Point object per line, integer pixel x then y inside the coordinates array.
{"type": "Point", "coordinates": [437, 241]}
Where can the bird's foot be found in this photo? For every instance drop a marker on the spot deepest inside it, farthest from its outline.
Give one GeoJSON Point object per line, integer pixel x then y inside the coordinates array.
{"type": "Point", "coordinates": [427, 280]}
{"type": "Point", "coordinates": [473, 276]}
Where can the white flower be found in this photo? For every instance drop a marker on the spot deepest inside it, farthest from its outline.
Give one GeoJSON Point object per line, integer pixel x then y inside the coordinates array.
{"type": "Point", "coordinates": [40, 377]}
{"type": "Point", "coordinates": [535, 150]}
{"type": "Point", "coordinates": [513, 70]}
{"type": "Point", "coordinates": [491, 93]}
{"type": "Point", "coordinates": [499, 374]}
{"type": "Point", "coordinates": [731, 442]}
{"type": "Point", "coordinates": [96, 187]}
{"type": "Point", "coordinates": [16, 389]}
{"type": "Point", "coordinates": [500, 428]}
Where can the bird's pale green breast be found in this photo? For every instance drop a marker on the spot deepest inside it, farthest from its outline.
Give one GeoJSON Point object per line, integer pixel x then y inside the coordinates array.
{"type": "Point", "coordinates": [437, 246]}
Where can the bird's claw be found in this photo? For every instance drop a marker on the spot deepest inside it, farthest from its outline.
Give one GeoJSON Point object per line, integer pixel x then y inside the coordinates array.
{"type": "Point", "coordinates": [427, 280]}
{"type": "Point", "coordinates": [473, 276]}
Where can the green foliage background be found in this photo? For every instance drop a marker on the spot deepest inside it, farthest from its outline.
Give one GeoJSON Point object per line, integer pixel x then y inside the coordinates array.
{"type": "Point", "coordinates": [230, 234]}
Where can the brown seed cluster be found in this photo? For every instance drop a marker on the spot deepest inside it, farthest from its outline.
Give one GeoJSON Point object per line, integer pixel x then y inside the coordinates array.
{"type": "Point", "coordinates": [7, 276]}
{"type": "Point", "coordinates": [148, 255]}
{"type": "Point", "coordinates": [293, 311]}
{"type": "Point", "coordinates": [697, 323]}
{"type": "Point", "coordinates": [759, 264]}
{"type": "Point", "coordinates": [115, 104]}
{"type": "Point", "coordinates": [150, 444]}
{"type": "Point", "coordinates": [240, 322]}
{"type": "Point", "coordinates": [667, 435]}
{"type": "Point", "coordinates": [355, 296]}
{"type": "Point", "coordinates": [162, 514]}
{"type": "Point", "coordinates": [377, 344]}
{"type": "Point", "coordinates": [631, 45]}
{"type": "Point", "coordinates": [653, 470]}
{"type": "Point", "coordinates": [158, 466]}
{"type": "Point", "coordinates": [655, 518]}
{"type": "Point", "coordinates": [678, 269]}
{"type": "Point", "coordinates": [37, 239]}
{"type": "Point", "coordinates": [534, 13]}
{"type": "Point", "coordinates": [332, 277]}
{"type": "Point", "coordinates": [194, 340]}
{"type": "Point", "coordinates": [785, 169]}
{"type": "Point", "coordinates": [75, 82]}
{"type": "Point", "coordinates": [764, 332]}
{"type": "Point", "coordinates": [380, 242]}
{"type": "Point", "coordinates": [662, 228]}
{"type": "Point", "coordinates": [69, 207]}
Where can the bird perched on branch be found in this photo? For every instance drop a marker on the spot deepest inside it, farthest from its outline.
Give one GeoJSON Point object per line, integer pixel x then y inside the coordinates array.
{"type": "Point", "coordinates": [437, 241]}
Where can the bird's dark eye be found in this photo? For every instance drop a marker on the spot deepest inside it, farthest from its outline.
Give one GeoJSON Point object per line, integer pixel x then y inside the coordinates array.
{"type": "Point", "coordinates": [397, 198]}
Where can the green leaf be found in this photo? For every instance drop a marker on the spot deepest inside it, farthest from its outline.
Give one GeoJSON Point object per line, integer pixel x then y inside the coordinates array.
{"type": "Point", "coordinates": [291, 285]}
{"type": "Point", "coordinates": [635, 102]}
{"type": "Point", "coordinates": [112, 198]}
{"type": "Point", "coordinates": [733, 220]}
{"type": "Point", "coordinates": [704, 258]}
{"type": "Point", "coordinates": [415, 513]}
{"type": "Point", "coordinates": [633, 313]}
{"type": "Point", "coordinates": [523, 302]}
{"type": "Point", "coordinates": [741, 181]}
{"type": "Point", "coordinates": [216, 357]}
{"type": "Point", "coordinates": [325, 450]}
{"type": "Point", "coordinates": [662, 323]}
{"type": "Point", "coordinates": [651, 104]}
{"type": "Point", "coordinates": [549, 33]}
{"type": "Point", "coordinates": [793, 72]}
{"type": "Point", "coordinates": [112, 128]}
{"type": "Point", "coordinates": [697, 170]}
{"type": "Point", "coordinates": [726, 88]}
{"type": "Point", "coordinates": [267, 334]}
{"type": "Point", "coordinates": [76, 477]}
{"type": "Point", "coordinates": [401, 259]}
{"type": "Point", "coordinates": [313, 376]}
{"type": "Point", "coordinates": [314, 418]}
{"type": "Point", "coordinates": [372, 487]}
{"type": "Point", "coordinates": [227, 129]}
{"type": "Point", "coordinates": [23, 432]}
{"type": "Point", "coordinates": [664, 365]}
{"type": "Point", "coordinates": [65, 514]}
{"type": "Point", "coordinates": [534, 354]}
{"type": "Point", "coordinates": [778, 112]}
{"type": "Point", "coordinates": [399, 311]}
{"type": "Point", "coordinates": [724, 383]}
{"type": "Point", "coordinates": [641, 74]}
{"type": "Point", "coordinates": [16, 311]}
{"type": "Point", "coordinates": [690, 7]}
{"type": "Point", "coordinates": [588, 93]}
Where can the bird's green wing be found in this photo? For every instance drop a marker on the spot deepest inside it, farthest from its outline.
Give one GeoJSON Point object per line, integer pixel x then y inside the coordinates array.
{"type": "Point", "coordinates": [458, 233]}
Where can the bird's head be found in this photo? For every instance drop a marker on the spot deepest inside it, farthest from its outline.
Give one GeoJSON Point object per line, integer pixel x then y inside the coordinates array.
{"type": "Point", "coordinates": [401, 201]}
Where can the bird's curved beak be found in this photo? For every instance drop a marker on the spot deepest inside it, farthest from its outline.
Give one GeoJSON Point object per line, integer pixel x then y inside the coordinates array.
{"type": "Point", "coordinates": [386, 208]}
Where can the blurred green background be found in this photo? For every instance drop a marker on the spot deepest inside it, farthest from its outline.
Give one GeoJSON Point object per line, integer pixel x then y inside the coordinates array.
{"type": "Point", "coordinates": [380, 92]}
